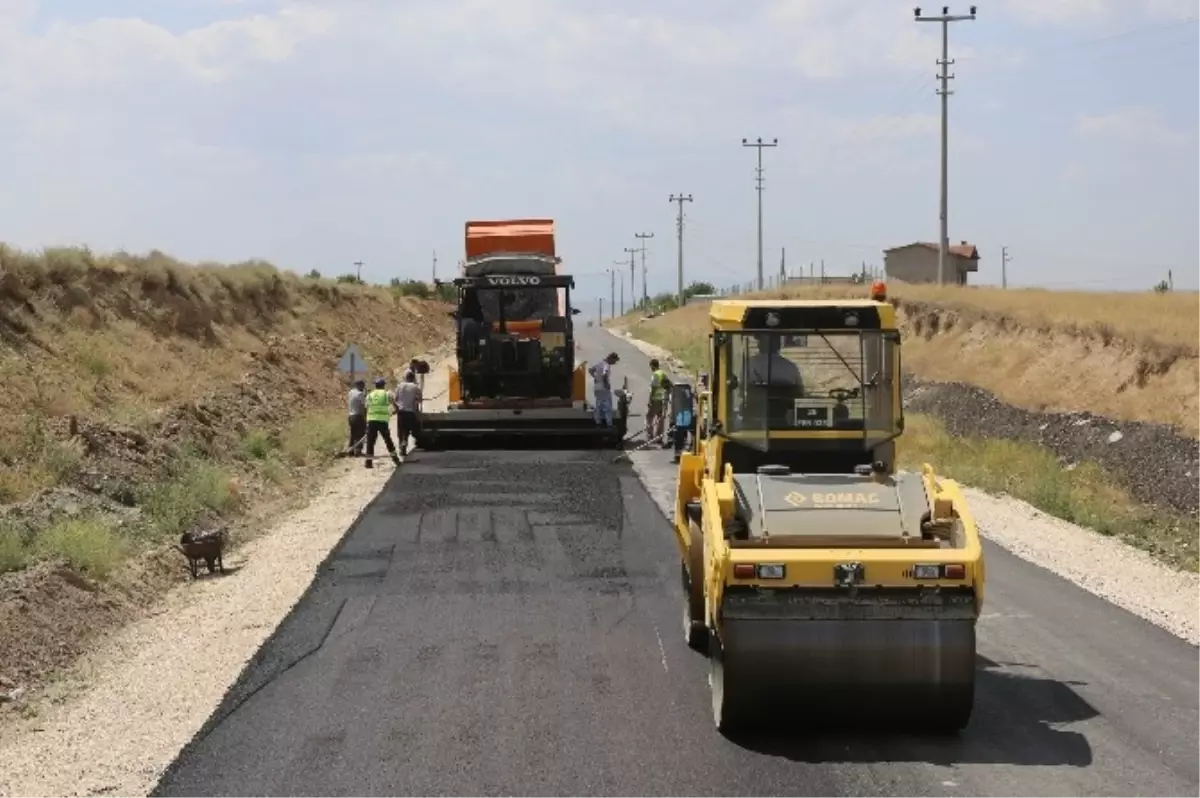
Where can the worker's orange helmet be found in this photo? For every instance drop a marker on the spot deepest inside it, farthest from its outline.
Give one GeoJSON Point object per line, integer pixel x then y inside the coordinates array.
{"type": "Point", "coordinates": [879, 290]}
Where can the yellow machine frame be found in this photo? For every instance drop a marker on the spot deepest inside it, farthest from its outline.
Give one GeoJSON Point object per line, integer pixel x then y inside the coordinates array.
{"type": "Point", "coordinates": [709, 558]}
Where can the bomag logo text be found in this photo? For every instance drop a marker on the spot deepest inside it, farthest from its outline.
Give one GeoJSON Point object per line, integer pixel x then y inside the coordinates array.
{"type": "Point", "coordinates": [845, 498]}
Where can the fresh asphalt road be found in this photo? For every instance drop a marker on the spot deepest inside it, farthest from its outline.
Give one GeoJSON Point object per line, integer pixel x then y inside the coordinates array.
{"type": "Point", "coordinates": [509, 623]}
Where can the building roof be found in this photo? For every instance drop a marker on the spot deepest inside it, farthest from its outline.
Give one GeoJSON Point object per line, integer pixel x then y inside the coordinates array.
{"type": "Point", "coordinates": [962, 249]}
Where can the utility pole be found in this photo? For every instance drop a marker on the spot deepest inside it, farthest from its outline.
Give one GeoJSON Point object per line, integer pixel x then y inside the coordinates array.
{"type": "Point", "coordinates": [435, 266]}
{"type": "Point", "coordinates": [600, 320]}
{"type": "Point", "coordinates": [358, 264]}
{"type": "Point", "coordinates": [759, 144]}
{"type": "Point", "coordinates": [679, 233]}
{"type": "Point", "coordinates": [632, 278]}
{"type": "Point", "coordinates": [945, 77]}
{"type": "Point", "coordinates": [612, 293]}
{"type": "Point", "coordinates": [1004, 259]}
{"type": "Point", "coordinates": [783, 265]}
{"type": "Point", "coordinates": [621, 280]}
{"type": "Point", "coordinates": [645, 293]}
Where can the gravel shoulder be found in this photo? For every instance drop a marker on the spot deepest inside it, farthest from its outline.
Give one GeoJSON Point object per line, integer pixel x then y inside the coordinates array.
{"type": "Point", "coordinates": [122, 714]}
{"type": "Point", "coordinates": [1107, 568]}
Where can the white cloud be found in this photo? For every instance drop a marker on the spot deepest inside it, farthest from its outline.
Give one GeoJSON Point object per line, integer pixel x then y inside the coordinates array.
{"type": "Point", "coordinates": [1140, 126]}
{"type": "Point", "coordinates": [1084, 12]}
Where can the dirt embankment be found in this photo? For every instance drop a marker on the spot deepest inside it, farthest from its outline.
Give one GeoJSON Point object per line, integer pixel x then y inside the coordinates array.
{"type": "Point", "coordinates": [141, 398]}
{"type": "Point", "coordinates": [1084, 392]}
{"type": "Point", "coordinates": [1055, 366]}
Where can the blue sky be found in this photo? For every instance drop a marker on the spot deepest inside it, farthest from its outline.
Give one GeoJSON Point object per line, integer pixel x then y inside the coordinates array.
{"type": "Point", "coordinates": [315, 133]}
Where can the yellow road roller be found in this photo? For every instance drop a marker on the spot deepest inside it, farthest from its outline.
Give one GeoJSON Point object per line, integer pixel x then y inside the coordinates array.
{"type": "Point", "coordinates": [813, 571]}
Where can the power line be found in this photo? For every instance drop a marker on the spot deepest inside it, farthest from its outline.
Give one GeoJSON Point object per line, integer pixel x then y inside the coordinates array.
{"type": "Point", "coordinates": [645, 292]}
{"type": "Point", "coordinates": [758, 144]}
{"type": "Point", "coordinates": [679, 232]}
{"type": "Point", "coordinates": [945, 77]}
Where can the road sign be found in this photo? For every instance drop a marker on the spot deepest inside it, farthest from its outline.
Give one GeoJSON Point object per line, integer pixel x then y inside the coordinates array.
{"type": "Point", "coordinates": [352, 361]}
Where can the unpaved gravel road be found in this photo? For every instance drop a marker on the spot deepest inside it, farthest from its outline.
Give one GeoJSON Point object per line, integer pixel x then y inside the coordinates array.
{"type": "Point", "coordinates": [1105, 567]}
{"type": "Point", "coordinates": [125, 712]}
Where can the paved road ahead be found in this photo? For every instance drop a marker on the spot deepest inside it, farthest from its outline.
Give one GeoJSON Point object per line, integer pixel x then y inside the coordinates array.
{"type": "Point", "coordinates": [509, 623]}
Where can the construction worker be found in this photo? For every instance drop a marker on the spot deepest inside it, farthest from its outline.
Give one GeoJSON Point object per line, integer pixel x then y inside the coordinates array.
{"type": "Point", "coordinates": [414, 368]}
{"type": "Point", "coordinates": [602, 388]}
{"type": "Point", "coordinates": [358, 417]}
{"type": "Point", "coordinates": [683, 409]}
{"type": "Point", "coordinates": [408, 406]}
{"type": "Point", "coordinates": [379, 415]}
{"type": "Point", "coordinates": [660, 383]}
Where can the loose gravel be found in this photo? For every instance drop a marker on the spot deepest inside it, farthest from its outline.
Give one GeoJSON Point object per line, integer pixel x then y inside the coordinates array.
{"type": "Point", "coordinates": [124, 712]}
{"type": "Point", "coordinates": [1158, 466]}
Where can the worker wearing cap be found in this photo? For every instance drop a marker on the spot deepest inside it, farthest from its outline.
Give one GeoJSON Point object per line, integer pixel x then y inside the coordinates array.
{"type": "Point", "coordinates": [380, 407]}
{"type": "Point", "coordinates": [357, 402]}
{"type": "Point", "coordinates": [602, 388]}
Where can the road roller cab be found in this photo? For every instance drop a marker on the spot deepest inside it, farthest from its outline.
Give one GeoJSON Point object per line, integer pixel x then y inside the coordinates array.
{"type": "Point", "coordinates": [811, 567]}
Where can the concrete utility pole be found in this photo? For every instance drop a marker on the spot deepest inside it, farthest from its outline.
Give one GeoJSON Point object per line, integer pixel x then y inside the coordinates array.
{"type": "Point", "coordinates": [759, 144]}
{"type": "Point", "coordinates": [679, 233]}
{"type": "Point", "coordinates": [946, 18]}
{"type": "Point", "coordinates": [632, 278]}
{"type": "Point", "coordinates": [645, 292]}
{"type": "Point", "coordinates": [1004, 259]}
{"type": "Point", "coordinates": [358, 264]}
{"type": "Point", "coordinates": [612, 293]}
{"type": "Point", "coordinates": [621, 279]}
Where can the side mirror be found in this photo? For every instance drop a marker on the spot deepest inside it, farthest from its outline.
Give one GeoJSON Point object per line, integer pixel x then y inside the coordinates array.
{"type": "Point", "coordinates": [575, 311]}
{"type": "Point", "coordinates": [625, 384]}
{"type": "Point", "coordinates": [733, 383]}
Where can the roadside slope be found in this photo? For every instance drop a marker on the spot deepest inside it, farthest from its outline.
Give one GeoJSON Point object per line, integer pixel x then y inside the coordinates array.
{"type": "Point", "coordinates": [141, 398]}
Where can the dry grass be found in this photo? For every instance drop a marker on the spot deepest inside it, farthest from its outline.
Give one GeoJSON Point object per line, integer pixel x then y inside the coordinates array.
{"type": "Point", "coordinates": [88, 545]}
{"type": "Point", "coordinates": [1084, 495]}
{"type": "Point", "coordinates": [1146, 318]}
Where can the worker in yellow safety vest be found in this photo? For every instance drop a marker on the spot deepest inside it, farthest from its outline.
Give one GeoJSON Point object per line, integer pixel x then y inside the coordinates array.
{"type": "Point", "coordinates": [380, 406]}
{"type": "Point", "coordinates": [660, 383]}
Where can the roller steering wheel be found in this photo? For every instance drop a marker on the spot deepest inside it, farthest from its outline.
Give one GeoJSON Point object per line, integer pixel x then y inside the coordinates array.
{"type": "Point", "coordinates": [840, 395]}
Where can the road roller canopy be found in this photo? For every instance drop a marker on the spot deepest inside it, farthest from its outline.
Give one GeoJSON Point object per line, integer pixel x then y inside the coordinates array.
{"type": "Point", "coordinates": [807, 370]}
